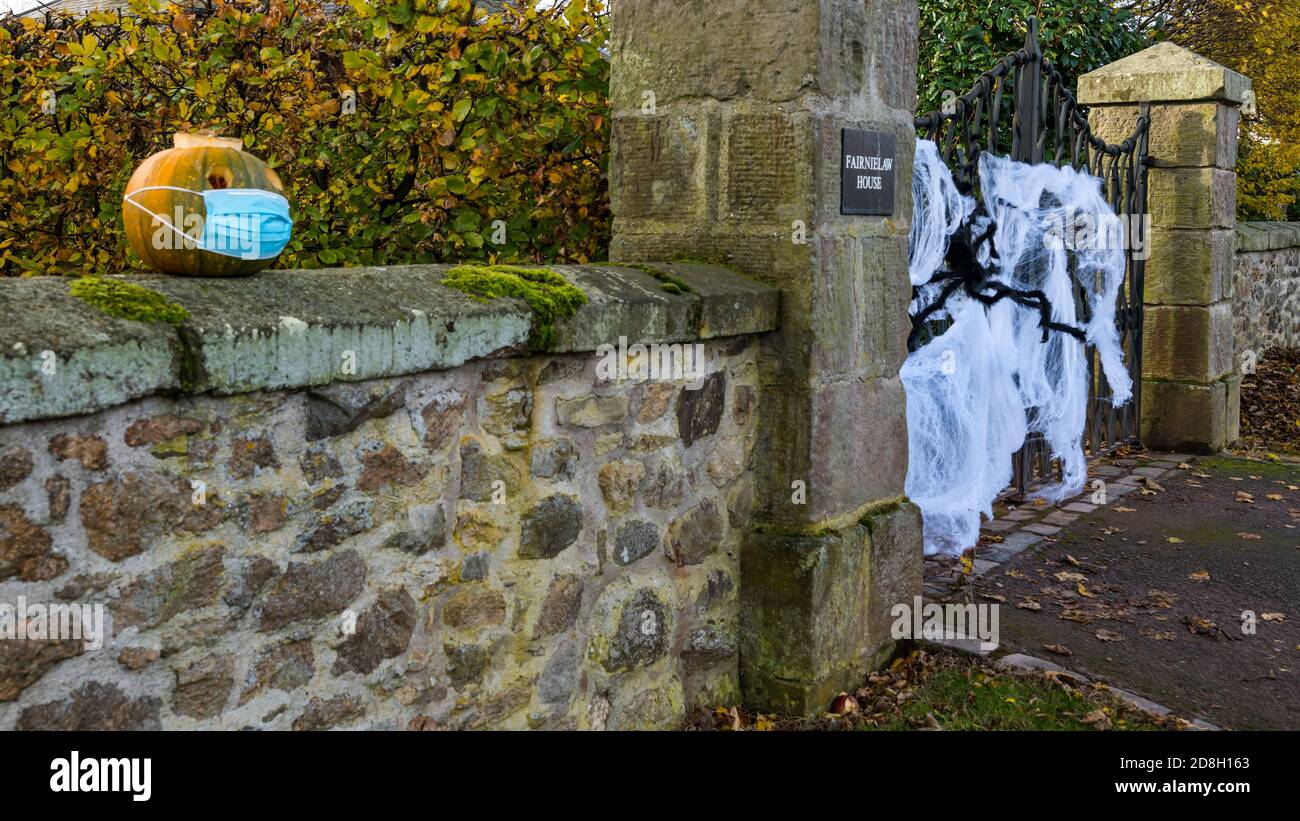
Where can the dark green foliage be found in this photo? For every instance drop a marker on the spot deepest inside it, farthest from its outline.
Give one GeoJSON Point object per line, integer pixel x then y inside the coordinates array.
{"type": "Point", "coordinates": [961, 39]}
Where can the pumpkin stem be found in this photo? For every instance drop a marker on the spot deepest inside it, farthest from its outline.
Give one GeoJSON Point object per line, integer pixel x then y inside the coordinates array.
{"type": "Point", "coordinates": [183, 139]}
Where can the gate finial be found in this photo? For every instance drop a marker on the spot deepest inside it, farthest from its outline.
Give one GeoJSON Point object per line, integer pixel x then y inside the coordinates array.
{"type": "Point", "coordinates": [1031, 37]}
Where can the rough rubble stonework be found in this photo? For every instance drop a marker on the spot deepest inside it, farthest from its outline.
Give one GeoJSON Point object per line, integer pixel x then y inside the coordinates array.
{"type": "Point", "coordinates": [1266, 287]}
{"type": "Point", "coordinates": [353, 565]}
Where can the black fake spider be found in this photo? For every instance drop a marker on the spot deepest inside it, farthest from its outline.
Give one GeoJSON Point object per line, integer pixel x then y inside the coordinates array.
{"type": "Point", "coordinates": [965, 272]}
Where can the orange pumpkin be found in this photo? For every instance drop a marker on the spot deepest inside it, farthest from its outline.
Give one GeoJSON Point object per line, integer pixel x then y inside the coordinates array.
{"type": "Point", "coordinates": [196, 163]}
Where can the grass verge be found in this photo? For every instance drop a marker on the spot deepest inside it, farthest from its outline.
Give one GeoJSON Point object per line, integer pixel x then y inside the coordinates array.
{"type": "Point", "coordinates": [929, 691]}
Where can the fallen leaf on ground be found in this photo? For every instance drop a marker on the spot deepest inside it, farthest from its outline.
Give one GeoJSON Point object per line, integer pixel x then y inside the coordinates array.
{"type": "Point", "coordinates": [1243, 496]}
{"type": "Point", "coordinates": [1122, 509]}
{"type": "Point", "coordinates": [1159, 635]}
{"type": "Point", "coordinates": [1108, 635]}
{"type": "Point", "coordinates": [1157, 598]}
{"type": "Point", "coordinates": [1249, 536]}
{"type": "Point", "coordinates": [1199, 576]}
{"type": "Point", "coordinates": [1030, 604]}
{"type": "Point", "coordinates": [1277, 497]}
{"type": "Point", "coordinates": [1058, 649]}
{"type": "Point", "coordinates": [1068, 576]}
{"type": "Point", "coordinates": [1277, 617]}
{"type": "Point", "coordinates": [1203, 626]}
{"type": "Point", "coordinates": [1084, 591]}
{"type": "Point", "coordinates": [1097, 718]}
{"type": "Point", "coordinates": [1174, 540]}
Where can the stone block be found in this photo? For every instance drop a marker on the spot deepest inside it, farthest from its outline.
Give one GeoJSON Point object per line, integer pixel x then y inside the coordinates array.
{"type": "Point", "coordinates": [767, 167]}
{"type": "Point", "coordinates": [591, 411]}
{"type": "Point", "coordinates": [662, 166]}
{"type": "Point", "coordinates": [1194, 135]}
{"type": "Point", "coordinates": [1189, 267]}
{"type": "Point", "coordinates": [1041, 529]}
{"type": "Point", "coordinates": [1232, 414]}
{"type": "Point", "coordinates": [1188, 343]}
{"type": "Point", "coordinates": [1010, 546]}
{"type": "Point", "coordinates": [1164, 72]}
{"type": "Point", "coordinates": [622, 302]}
{"type": "Point", "coordinates": [60, 357]}
{"type": "Point", "coordinates": [762, 51]}
{"type": "Point", "coordinates": [284, 329]}
{"type": "Point", "coordinates": [730, 303]}
{"type": "Point", "coordinates": [1281, 235]}
{"type": "Point", "coordinates": [807, 445]}
{"type": "Point", "coordinates": [1192, 197]}
{"type": "Point", "coordinates": [1185, 416]}
{"type": "Point", "coordinates": [804, 618]}
{"type": "Point", "coordinates": [1252, 236]}
{"type": "Point", "coordinates": [1113, 123]}
{"type": "Point", "coordinates": [857, 49]}
{"type": "Point", "coordinates": [895, 566]}
{"type": "Point", "coordinates": [858, 321]}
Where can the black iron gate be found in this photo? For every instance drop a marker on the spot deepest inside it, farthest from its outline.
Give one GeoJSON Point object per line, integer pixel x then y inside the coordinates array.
{"type": "Point", "coordinates": [1020, 107]}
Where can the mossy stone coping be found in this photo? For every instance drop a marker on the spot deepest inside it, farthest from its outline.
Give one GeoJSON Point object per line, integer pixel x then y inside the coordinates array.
{"type": "Point", "coordinates": [61, 355]}
{"type": "Point", "coordinates": [1267, 236]}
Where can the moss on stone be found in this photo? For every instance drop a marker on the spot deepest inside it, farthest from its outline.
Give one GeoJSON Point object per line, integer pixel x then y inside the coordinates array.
{"type": "Point", "coordinates": [126, 300]}
{"type": "Point", "coordinates": [550, 296]}
{"type": "Point", "coordinates": [667, 281]}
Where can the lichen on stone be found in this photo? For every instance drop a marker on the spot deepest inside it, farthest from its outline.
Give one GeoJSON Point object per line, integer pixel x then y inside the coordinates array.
{"type": "Point", "coordinates": [550, 296]}
{"type": "Point", "coordinates": [126, 300]}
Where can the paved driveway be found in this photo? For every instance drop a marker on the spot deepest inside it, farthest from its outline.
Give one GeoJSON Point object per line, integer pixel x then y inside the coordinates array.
{"type": "Point", "coordinates": [1184, 588]}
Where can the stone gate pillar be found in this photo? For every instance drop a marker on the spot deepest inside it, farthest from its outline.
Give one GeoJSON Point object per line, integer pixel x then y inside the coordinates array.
{"type": "Point", "coordinates": [732, 121]}
{"type": "Point", "coordinates": [1191, 391]}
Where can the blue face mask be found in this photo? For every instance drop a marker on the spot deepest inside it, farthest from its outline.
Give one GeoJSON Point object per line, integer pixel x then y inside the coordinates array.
{"type": "Point", "coordinates": [247, 223]}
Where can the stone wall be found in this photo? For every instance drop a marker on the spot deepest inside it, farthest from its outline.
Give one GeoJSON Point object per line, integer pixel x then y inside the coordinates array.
{"type": "Point", "coordinates": [1266, 286]}
{"type": "Point", "coordinates": [509, 542]}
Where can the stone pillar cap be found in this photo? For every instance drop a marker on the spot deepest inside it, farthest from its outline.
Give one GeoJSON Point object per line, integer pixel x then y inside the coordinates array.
{"type": "Point", "coordinates": [1163, 73]}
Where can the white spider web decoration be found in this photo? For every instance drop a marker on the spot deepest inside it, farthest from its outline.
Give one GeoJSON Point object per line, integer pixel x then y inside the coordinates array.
{"type": "Point", "coordinates": [977, 389]}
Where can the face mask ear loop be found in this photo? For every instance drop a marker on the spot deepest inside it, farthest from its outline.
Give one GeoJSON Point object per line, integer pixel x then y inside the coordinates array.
{"type": "Point", "coordinates": [184, 236]}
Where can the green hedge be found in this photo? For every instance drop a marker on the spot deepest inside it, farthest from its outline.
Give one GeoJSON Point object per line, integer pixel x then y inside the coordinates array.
{"type": "Point", "coordinates": [404, 130]}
